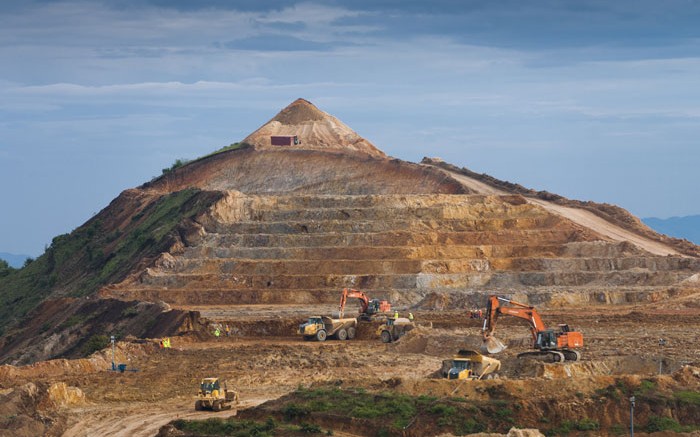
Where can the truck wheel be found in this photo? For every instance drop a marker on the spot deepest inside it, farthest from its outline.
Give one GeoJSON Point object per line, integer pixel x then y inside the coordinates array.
{"type": "Point", "coordinates": [342, 334]}
{"type": "Point", "coordinates": [351, 333]}
{"type": "Point", "coordinates": [216, 406]}
{"type": "Point", "coordinates": [386, 337]}
{"type": "Point", "coordinates": [321, 335]}
{"type": "Point", "coordinates": [198, 406]}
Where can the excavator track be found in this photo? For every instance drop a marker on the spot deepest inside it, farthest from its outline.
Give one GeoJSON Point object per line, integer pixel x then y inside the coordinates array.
{"type": "Point", "coordinates": [571, 355]}
{"type": "Point", "coordinates": [546, 356]}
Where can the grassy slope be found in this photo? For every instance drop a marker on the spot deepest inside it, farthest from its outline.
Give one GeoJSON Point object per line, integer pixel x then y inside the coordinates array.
{"type": "Point", "coordinates": [102, 251]}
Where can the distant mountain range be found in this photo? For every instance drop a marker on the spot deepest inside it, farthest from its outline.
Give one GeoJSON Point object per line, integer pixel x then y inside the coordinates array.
{"type": "Point", "coordinates": [687, 227]}
{"type": "Point", "coordinates": [14, 260]}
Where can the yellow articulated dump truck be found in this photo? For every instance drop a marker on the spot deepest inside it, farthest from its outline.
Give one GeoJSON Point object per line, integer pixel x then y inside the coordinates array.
{"type": "Point", "coordinates": [393, 329]}
{"type": "Point", "coordinates": [321, 327]}
{"type": "Point", "coordinates": [470, 364]}
{"type": "Point", "coordinates": [212, 396]}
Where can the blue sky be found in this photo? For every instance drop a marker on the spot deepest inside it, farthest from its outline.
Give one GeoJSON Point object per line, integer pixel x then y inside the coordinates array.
{"type": "Point", "coordinates": [594, 100]}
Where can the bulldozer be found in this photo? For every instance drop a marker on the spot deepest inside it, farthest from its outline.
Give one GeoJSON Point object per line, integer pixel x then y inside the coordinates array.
{"type": "Point", "coordinates": [393, 329]}
{"type": "Point", "coordinates": [211, 397]}
{"type": "Point", "coordinates": [470, 364]}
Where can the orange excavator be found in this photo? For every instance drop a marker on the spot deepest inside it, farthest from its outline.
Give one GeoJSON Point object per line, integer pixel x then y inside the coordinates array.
{"type": "Point", "coordinates": [368, 307]}
{"type": "Point", "coordinates": [551, 345]}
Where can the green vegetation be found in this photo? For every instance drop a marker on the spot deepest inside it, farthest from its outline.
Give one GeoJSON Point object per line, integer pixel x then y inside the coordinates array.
{"type": "Point", "coordinates": [618, 429]}
{"type": "Point", "coordinates": [79, 263]}
{"type": "Point", "coordinates": [5, 268]}
{"type": "Point", "coordinates": [177, 164]}
{"type": "Point", "coordinates": [182, 161]}
{"type": "Point", "coordinates": [234, 146]}
{"type": "Point", "coordinates": [645, 387]}
{"type": "Point", "coordinates": [568, 426]}
{"type": "Point", "coordinates": [129, 312]}
{"type": "Point", "coordinates": [245, 428]}
{"type": "Point", "coordinates": [94, 344]}
{"type": "Point", "coordinates": [73, 320]}
{"type": "Point", "coordinates": [356, 404]}
{"type": "Point", "coordinates": [656, 423]}
{"type": "Point", "coordinates": [688, 397]}
{"type": "Point", "coordinates": [393, 411]}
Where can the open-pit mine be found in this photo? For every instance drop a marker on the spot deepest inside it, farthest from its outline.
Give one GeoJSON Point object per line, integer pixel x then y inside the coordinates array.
{"type": "Point", "coordinates": [225, 256]}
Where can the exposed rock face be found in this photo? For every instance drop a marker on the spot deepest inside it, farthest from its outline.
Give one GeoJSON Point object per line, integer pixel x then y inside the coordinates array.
{"type": "Point", "coordinates": [62, 395]}
{"type": "Point", "coordinates": [303, 248]}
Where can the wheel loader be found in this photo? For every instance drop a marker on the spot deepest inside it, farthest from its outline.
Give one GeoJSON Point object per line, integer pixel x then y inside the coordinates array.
{"type": "Point", "coordinates": [212, 397]}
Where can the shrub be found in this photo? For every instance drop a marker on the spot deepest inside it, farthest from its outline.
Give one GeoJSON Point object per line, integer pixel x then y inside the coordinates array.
{"type": "Point", "coordinates": [310, 428]}
{"type": "Point", "coordinates": [688, 397]}
{"type": "Point", "coordinates": [94, 344]}
{"type": "Point", "coordinates": [73, 320]}
{"type": "Point", "coordinates": [656, 423]}
{"type": "Point", "coordinates": [442, 410]}
{"type": "Point", "coordinates": [294, 411]}
{"type": "Point", "coordinates": [587, 425]}
{"type": "Point", "coordinates": [469, 426]}
{"type": "Point", "coordinates": [129, 312]}
{"type": "Point", "coordinates": [5, 268]}
{"type": "Point", "coordinates": [618, 429]}
{"type": "Point", "coordinates": [177, 164]}
{"type": "Point", "coordinates": [646, 385]}
{"type": "Point", "coordinates": [228, 427]}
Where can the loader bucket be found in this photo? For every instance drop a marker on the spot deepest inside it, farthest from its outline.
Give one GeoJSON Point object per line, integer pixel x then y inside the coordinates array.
{"type": "Point", "coordinates": [492, 345]}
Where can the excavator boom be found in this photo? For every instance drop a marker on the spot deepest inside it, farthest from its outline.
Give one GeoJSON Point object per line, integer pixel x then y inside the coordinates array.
{"type": "Point", "coordinates": [367, 306]}
{"type": "Point", "coordinates": [555, 345]}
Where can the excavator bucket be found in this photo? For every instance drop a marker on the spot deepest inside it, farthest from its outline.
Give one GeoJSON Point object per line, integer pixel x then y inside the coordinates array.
{"type": "Point", "coordinates": [492, 345]}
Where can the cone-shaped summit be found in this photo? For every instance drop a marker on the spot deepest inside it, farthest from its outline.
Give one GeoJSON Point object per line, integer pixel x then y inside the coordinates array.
{"type": "Point", "coordinates": [313, 129]}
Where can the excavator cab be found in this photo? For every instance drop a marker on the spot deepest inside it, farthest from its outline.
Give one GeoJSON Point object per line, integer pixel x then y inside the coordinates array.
{"type": "Point", "coordinates": [546, 340]}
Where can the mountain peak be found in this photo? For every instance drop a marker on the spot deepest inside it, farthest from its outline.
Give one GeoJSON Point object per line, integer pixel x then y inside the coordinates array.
{"type": "Point", "coordinates": [313, 129]}
{"type": "Point", "coordinates": [299, 111]}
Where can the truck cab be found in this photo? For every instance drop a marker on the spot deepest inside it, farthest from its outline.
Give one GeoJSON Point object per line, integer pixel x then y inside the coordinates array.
{"type": "Point", "coordinates": [311, 327]}
{"type": "Point", "coordinates": [470, 364]}
{"type": "Point", "coordinates": [461, 369]}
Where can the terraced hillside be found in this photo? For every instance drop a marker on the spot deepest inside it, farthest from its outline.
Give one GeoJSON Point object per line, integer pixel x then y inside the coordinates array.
{"type": "Point", "coordinates": [281, 225]}
{"type": "Point", "coordinates": [284, 249]}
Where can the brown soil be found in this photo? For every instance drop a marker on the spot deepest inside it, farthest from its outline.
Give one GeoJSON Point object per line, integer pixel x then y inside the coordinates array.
{"type": "Point", "coordinates": [612, 214]}
{"type": "Point", "coordinates": [274, 235]}
{"type": "Point", "coordinates": [266, 364]}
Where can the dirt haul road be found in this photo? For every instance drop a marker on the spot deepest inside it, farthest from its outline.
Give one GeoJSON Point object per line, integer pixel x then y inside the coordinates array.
{"type": "Point", "coordinates": [134, 420]}
{"type": "Point", "coordinates": [619, 341]}
{"type": "Point", "coordinates": [163, 388]}
{"type": "Point", "coordinates": [576, 215]}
